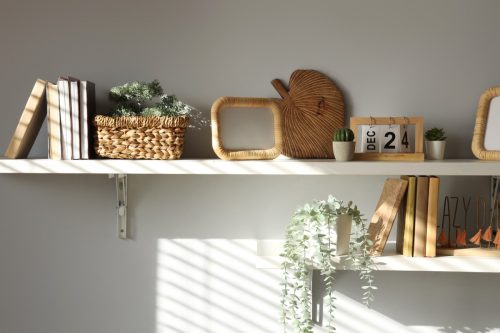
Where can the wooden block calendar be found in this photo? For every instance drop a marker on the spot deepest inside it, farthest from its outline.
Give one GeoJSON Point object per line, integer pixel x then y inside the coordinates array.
{"type": "Point", "coordinates": [388, 138]}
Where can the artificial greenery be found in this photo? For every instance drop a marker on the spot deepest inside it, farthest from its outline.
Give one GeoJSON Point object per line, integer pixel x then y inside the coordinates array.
{"type": "Point", "coordinates": [136, 92]}
{"type": "Point", "coordinates": [343, 134]}
{"type": "Point", "coordinates": [311, 243]}
{"type": "Point", "coordinates": [136, 98]}
{"type": "Point", "coordinates": [435, 134]}
{"type": "Point", "coordinates": [169, 105]}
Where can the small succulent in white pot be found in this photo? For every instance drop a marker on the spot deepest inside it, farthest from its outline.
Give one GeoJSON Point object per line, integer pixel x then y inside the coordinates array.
{"type": "Point", "coordinates": [435, 143]}
{"type": "Point", "coordinates": [343, 144]}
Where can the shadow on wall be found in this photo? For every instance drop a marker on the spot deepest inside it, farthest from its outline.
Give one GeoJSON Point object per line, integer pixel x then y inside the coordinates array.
{"type": "Point", "coordinates": [212, 286]}
{"type": "Point", "coordinates": [450, 305]}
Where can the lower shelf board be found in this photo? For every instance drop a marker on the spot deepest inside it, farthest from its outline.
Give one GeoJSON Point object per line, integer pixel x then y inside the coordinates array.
{"type": "Point", "coordinates": [268, 258]}
{"type": "Point", "coordinates": [469, 252]}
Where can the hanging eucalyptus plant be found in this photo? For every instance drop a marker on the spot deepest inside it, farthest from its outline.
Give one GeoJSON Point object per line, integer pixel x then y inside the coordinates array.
{"type": "Point", "coordinates": [311, 244]}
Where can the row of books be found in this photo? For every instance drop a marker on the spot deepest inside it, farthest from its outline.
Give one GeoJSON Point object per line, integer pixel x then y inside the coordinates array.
{"type": "Point", "coordinates": [69, 106]}
{"type": "Point", "coordinates": [417, 217]}
{"type": "Point", "coordinates": [414, 201]}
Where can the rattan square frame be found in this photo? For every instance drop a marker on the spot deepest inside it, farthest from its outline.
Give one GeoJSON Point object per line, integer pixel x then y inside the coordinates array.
{"type": "Point", "coordinates": [483, 110]}
{"type": "Point", "coordinates": [246, 102]}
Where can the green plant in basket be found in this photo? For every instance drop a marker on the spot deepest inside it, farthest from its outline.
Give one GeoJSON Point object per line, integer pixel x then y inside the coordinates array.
{"type": "Point", "coordinates": [145, 123]}
{"type": "Point", "coordinates": [343, 135]}
{"type": "Point", "coordinates": [137, 99]}
{"type": "Point", "coordinates": [169, 105]}
{"type": "Point", "coordinates": [136, 92]}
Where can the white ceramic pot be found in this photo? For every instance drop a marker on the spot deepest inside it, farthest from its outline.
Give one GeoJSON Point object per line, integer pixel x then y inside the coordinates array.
{"type": "Point", "coordinates": [435, 150]}
{"type": "Point", "coordinates": [343, 151]}
{"type": "Point", "coordinates": [344, 223]}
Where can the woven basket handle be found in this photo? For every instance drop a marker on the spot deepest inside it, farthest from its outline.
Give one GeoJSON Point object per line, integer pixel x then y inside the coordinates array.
{"type": "Point", "coordinates": [280, 88]}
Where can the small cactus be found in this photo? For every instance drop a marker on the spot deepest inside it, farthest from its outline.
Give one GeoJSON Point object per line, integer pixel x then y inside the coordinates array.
{"type": "Point", "coordinates": [343, 134]}
{"type": "Point", "coordinates": [435, 134]}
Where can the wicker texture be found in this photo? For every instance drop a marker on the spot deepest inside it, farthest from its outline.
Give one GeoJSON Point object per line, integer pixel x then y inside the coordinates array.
{"type": "Point", "coordinates": [246, 102]}
{"type": "Point", "coordinates": [154, 138]}
{"type": "Point", "coordinates": [313, 108]}
{"type": "Point", "coordinates": [483, 110]}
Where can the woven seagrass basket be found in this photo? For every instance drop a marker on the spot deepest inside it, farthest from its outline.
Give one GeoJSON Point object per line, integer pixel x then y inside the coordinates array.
{"type": "Point", "coordinates": [140, 137]}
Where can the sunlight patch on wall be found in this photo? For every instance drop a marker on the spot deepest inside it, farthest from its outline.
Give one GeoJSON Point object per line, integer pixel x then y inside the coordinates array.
{"type": "Point", "coordinates": [352, 316]}
{"type": "Point", "coordinates": [213, 286]}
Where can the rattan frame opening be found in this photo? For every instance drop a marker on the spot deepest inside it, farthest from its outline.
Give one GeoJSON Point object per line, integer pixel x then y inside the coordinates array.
{"type": "Point", "coordinates": [246, 102]}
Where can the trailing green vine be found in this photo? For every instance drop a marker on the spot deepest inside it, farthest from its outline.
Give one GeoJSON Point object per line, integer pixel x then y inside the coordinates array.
{"type": "Point", "coordinates": [311, 243]}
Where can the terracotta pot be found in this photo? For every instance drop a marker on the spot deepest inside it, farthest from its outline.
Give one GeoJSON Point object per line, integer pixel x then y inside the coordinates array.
{"type": "Point", "coordinates": [343, 151]}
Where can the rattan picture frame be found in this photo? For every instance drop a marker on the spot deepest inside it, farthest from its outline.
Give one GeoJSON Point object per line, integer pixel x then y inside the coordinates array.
{"type": "Point", "coordinates": [482, 119]}
{"type": "Point", "coordinates": [246, 102]}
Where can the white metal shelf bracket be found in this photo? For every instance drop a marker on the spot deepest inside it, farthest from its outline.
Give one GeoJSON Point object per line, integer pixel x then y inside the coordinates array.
{"type": "Point", "coordinates": [121, 204]}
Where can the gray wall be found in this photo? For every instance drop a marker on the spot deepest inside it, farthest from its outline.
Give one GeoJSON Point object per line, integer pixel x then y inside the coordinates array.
{"type": "Point", "coordinates": [62, 268]}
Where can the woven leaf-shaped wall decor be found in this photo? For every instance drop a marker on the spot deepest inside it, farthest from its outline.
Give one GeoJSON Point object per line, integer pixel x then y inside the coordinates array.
{"type": "Point", "coordinates": [313, 107]}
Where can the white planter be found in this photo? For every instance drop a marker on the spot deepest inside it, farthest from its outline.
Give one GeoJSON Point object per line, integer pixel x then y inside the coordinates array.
{"type": "Point", "coordinates": [435, 150]}
{"type": "Point", "coordinates": [343, 230]}
{"type": "Point", "coordinates": [343, 151]}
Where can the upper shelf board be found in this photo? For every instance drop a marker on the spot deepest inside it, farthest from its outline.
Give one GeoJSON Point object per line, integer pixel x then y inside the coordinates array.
{"type": "Point", "coordinates": [274, 167]}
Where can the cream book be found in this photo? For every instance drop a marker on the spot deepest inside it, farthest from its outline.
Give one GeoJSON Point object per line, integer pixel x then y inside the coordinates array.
{"type": "Point", "coordinates": [29, 125]}
{"type": "Point", "coordinates": [74, 94]}
{"type": "Point", "coordinates": [53, 122]}
{"type": "Point", "coordinates": [65, 113]}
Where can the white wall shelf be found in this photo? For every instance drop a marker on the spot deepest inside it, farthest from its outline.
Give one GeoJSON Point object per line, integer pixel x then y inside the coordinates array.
{"type": "Point", "coordinates": [276, 167]}
{"type": "Point", "coordinates": [389, 261]}
{"type": "Point", "coordinates": [268, 258]}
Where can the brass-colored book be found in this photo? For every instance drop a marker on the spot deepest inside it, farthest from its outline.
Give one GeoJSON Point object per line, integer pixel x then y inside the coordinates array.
{"type": "Point", "coordinates": [421, 205]}
{"type": "Point", "coordinates": [29, 125]}
{"type": "Point", "coordinates": [53, 122]}
{"type": "Point", "coordinates": [432, 212]}
{"type": "Point", "coordinates": [409, 217]}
